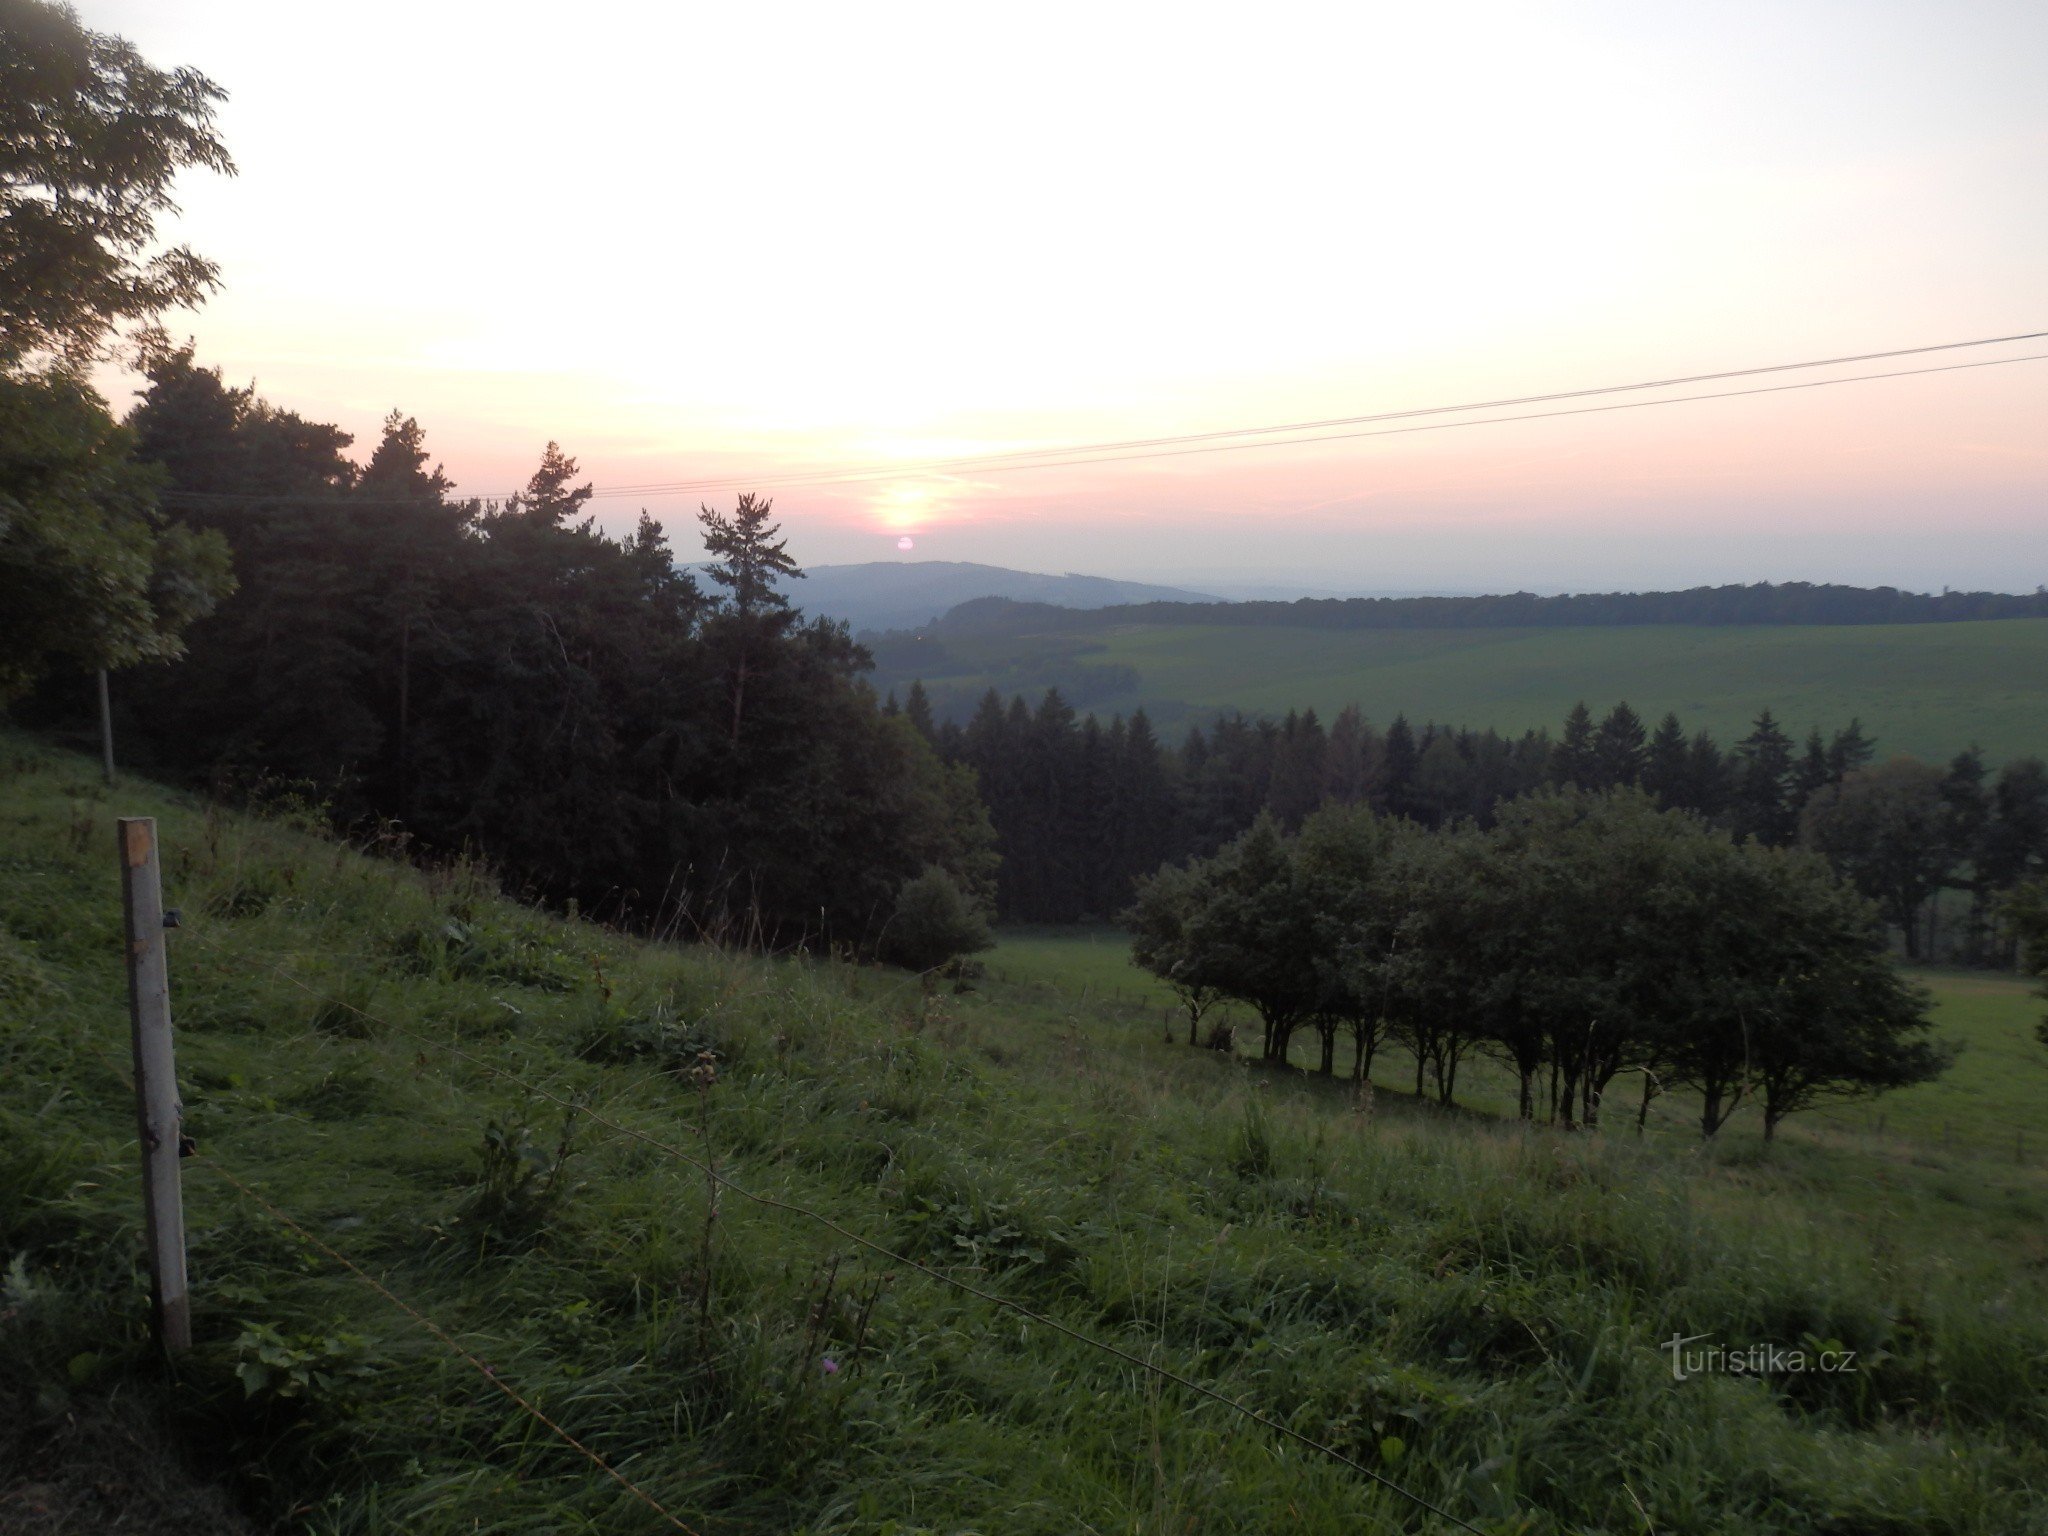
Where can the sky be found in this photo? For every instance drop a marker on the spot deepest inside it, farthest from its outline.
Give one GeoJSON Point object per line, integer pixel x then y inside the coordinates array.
{"type": "Point", "coordinates": [755, 244]}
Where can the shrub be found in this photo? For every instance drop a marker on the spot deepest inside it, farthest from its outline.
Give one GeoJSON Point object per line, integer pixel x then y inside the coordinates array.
{"type": "Point", "coordinates": [934, 922]}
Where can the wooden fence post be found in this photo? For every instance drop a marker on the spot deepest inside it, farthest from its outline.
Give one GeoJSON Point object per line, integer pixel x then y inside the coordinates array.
{"type": "Point", "coordinates": [106, 731]}
{"type": "Point", "coordinates": [159, 1117]}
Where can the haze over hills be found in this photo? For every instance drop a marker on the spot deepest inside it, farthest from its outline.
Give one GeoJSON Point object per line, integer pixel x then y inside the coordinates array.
{"type": "Point", "coordinates": [905, 594]}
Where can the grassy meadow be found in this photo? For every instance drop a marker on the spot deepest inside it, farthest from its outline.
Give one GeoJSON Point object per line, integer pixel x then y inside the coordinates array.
{"type": "Point", "coordinates": [1466, 1307]}
{"type": "Point", "coordinates": [1925, 689]}
{"type": "Point", "coordinates": [1993, 1101]}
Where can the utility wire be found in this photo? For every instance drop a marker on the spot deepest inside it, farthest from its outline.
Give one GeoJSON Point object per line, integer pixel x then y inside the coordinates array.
{"type": "Point", "coordinates": [770, 1201]}
{"type": "Point", "coordinates": [483, 1370]}
{"type": "Point", "coordinates": [1333, 437]}
{"type": "Point", "coordinates": [971, 461]}
{"type": "Point", "coordinates": [1222, 440]}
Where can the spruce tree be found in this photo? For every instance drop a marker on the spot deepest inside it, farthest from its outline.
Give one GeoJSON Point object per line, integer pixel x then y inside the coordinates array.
{"type": "Point", "coordinates": [1763, 784]}
{"type": "Point", "coordinates": [1397, 767]}
{"type": "Point", "coordinates": [1665, 765]}
{"type": "Point", "coordinates": [1619, 749]}
{"type": "Point", "coordinates": [1573, 762]}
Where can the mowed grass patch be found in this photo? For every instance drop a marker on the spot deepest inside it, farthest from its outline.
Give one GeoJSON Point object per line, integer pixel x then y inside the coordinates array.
{"type": "Point", "coordinates": [1472, 1309]}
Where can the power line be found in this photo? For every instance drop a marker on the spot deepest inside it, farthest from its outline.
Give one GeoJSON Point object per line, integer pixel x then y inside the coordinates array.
{"type": "Point", "coordinates": [971, 461]}
{"type": "Point", "coordinates": [1333, 437]}
{"type": "Point", "coordinates": [724, 1181]}
{"type": "Point", "coordinates": [1228, 439]}
{"type": "Point", "coordinates": [488, 1373]}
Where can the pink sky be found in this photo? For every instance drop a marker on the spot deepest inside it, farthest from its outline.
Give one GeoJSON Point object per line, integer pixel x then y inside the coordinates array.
{"type": "Point", "coordinates": [690, 240]}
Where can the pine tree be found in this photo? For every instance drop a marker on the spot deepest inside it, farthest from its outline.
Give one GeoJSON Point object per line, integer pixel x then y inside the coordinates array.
{"type": "Point", "coordinates": [1709, 781]}
{"type": "Point", "coordinates": [1665, 764]}
{"type": "Point", "coordinates": [1763, 784]}
{"type": "Point", "coordinates": [1850, 750]}
{"type": "Point", "coordinates": [1347, 764]}
{"type": "Point", "coordinates": [1397, 767]}
{"type": "Point", "coordinates": [917, 708]}
{"type": "Point", "coordinates": [1573, 762]}
{"type": "Point", "coordinates": [1618, 749]}
{"type": "Point", "coordinates": [1815, 772]}
{"type": "Point", "coordinates": [750, 557]}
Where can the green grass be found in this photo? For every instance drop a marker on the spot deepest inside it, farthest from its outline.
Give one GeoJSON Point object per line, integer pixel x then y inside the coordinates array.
{"type": "Point", "coordinates": [1925, 689]}
{"type": "Point", "coordinates": [1470, 1307]}
{"type": "Point", "coordinates": [1993, 1101]}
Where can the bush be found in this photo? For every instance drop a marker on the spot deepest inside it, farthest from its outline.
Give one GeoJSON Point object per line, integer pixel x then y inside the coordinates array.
{"type": "Point", "coordinates": [934, 922]}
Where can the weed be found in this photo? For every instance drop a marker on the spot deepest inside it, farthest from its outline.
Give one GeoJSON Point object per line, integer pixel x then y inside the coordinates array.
{"type": "Point", "coordinates": [518, 1188]}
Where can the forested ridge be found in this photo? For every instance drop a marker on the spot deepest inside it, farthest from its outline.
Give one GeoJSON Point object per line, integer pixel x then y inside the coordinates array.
{"type": "Point", "coordinates": [1764, 602]}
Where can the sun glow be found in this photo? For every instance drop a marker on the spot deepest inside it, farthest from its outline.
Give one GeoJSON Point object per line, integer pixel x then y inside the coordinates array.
{"type": "Point", "coordinates": [905, 508]}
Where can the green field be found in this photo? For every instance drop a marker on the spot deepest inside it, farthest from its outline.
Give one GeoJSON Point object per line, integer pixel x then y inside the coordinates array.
{"type": "Point", "coordinates": [1925, 689]}
{"type": "Point", "coordinates": [1469, 1308]}
{"type": "Point", "coordinates": [1993, 1102]}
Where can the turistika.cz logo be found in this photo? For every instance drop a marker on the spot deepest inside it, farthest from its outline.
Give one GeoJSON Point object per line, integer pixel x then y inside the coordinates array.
{"type": "Point", "coordinates": [1691, 1355]}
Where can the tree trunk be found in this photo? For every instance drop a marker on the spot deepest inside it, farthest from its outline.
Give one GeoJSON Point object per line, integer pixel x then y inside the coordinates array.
{"type": "Point", "coordinates": [1527, 1107]}
{"type": "Point", "coordinates": [739, 696]}
{"type": "Point", "coordinates": [404, 708]}
{"type": "Point", "coordinates": [1328, 1033]}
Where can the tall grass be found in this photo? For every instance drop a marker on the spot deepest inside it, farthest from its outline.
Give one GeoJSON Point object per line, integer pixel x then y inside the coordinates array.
{"type": "Point", "coordinates": [1474, 1310]}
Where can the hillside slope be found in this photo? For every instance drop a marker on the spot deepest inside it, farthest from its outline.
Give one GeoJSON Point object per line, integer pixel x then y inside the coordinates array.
{"type": "Point", "coordinates": [383, 1058]}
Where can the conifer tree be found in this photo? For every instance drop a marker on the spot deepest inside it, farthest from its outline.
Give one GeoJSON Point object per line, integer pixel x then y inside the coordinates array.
{"type": "Point", "coordinates": [1619, 749]}
{"type": "Point", "coordinates": [1763, 784]}
{"type": "Point", "coordinates": [1574, 762]}
{"type": "Point", "coordinates": [1665, 764]}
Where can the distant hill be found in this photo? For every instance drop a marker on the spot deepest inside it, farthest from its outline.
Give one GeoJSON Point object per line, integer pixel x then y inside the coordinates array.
{"type": "Point", "coordinates": [907, 594]}
{"type": "Point", "coordinates": [1761, 603]}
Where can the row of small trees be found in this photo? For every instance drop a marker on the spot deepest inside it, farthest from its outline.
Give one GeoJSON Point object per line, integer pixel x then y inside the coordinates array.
{"type": "Point", "coordinates": [1581, 938]}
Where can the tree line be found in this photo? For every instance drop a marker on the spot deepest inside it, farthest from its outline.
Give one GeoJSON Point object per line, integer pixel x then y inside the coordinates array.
{"type": "Point", "coordinates": [506, 678]}
{"type": "Point", "coordinates": [1083, 810]}
{"type": "Point", "coordinates": [1583, 937]}
{"type": "Point", "coordinates": [1763, 602]}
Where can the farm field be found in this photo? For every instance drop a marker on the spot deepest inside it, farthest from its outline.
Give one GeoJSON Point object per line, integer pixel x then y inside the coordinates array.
{"type": "Point", "coordinates": [1469, 1309]}
{"type": "Point", "coordinates": [1925, 689]}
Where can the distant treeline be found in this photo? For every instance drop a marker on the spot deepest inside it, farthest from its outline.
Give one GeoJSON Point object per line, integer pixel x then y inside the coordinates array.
{"type": "Point", "coordinates": [1792, 602]}
{"type": "Point", "coordinates": [1083, 809]}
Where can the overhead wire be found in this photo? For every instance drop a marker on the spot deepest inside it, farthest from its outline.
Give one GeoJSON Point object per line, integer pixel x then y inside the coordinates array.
{"type": "Point", "coordinates": [972, 460]}
{"type": "Point", "coordinates": [1286, 434]}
